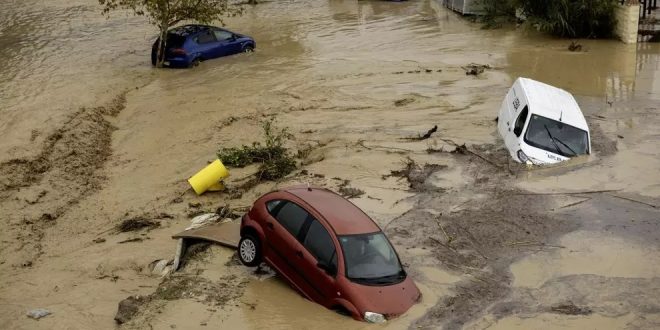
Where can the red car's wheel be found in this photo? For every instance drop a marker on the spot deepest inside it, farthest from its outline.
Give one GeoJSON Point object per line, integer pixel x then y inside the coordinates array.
{"type": "Point", "coordinates": [249, 251]}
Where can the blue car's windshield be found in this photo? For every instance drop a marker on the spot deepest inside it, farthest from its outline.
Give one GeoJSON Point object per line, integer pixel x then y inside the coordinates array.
{"type": "Point", "coordinates": [556, 137]}
{"type": "Point", "coordinates": [370, 259]}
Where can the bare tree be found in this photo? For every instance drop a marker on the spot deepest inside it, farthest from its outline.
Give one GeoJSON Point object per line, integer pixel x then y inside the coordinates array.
{"type": "Point", "coordinates": [166, 13]}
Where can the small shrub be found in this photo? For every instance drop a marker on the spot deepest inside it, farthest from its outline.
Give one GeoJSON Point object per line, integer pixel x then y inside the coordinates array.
{"type": "Point", "coordinates": [572, 18]}
{"type": "Point", "coordinates": [274, 158]}
{"type": "Point", "coordinates": [498, 12]}
{"type": "Point", "coordinates": [563, 18]}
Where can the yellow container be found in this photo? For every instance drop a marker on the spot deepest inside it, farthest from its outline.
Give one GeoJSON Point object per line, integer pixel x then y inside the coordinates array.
{"type": "Point", "coordinates": [209, 178]}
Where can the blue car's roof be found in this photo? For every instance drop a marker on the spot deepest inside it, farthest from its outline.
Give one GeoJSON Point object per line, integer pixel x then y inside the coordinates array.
{"type": "Point", "coordinates": [191, 29]}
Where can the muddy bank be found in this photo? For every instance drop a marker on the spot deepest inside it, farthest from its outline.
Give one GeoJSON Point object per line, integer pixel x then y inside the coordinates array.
{"type": "Point", "coordinates": [40, 190]}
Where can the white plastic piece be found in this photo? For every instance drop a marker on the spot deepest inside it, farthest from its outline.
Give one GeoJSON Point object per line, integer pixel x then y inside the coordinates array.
{"type": "Point", "coordinates": [38, 313]}
{"type": "Point", "coordinates": [202, 220]}
{"type": "Point", "coordinates": [374, 317]}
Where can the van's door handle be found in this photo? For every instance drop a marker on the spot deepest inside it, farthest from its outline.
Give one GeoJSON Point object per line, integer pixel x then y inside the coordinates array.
{"type": "Point", "coordinates": [270, 225]}
{"type": "Point", "coordinates": [299, 254]}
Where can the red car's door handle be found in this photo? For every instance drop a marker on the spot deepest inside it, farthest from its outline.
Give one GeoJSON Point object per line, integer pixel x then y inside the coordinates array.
{"type": "Point", "coordinates": [299, 254]}
{"type": "Point", "coordinates": [270, 225]}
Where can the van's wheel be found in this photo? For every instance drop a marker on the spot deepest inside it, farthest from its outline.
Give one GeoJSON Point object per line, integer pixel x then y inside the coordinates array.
{"type": "Point", "coordinates": [195, 63]}
{"type": "Point", "coordinates": [248, 49]}
{"type": "Point", "coordinates": [249, 251]}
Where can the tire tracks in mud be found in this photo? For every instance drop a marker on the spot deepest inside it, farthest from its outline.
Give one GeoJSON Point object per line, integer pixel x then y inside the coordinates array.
{"type": "Point", "coordinates": [35, 192]}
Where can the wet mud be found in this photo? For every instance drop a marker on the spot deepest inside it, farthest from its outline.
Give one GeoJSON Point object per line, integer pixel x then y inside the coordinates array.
{"type": "Point", "coordinates": [379, 107]}
{"type": "Point", "coordinates": [40, 190]}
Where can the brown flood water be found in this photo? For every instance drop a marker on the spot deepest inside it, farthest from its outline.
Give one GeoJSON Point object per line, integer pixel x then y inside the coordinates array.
{"type": "Point", "coordinates": [331, 71]}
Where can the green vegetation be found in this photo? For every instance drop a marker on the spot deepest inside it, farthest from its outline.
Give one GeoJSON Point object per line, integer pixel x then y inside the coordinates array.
{"type": "Point", "coordinates": [564, 18]}
{"type": "Point", "coordinates": [274, 158]}
{"type": "Point", "coordinates": [167, 13]}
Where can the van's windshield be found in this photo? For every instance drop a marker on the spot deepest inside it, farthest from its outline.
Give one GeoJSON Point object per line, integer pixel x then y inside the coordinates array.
{"type": "Point", "coordinates": [371, 260]}
{"type": "Point", "coordinates": [556, 137]}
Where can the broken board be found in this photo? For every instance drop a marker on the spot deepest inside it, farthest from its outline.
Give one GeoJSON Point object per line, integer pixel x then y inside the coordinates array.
{"type": "Point", "coordinates": [227, 233]}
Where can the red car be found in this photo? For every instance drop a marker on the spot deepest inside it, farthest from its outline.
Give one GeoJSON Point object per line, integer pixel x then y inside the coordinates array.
{"type": "Point", "coordinates": [329, 250]}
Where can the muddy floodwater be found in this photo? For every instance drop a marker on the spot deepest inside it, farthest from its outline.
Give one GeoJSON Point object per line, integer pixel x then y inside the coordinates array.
{"type": "Point", "coordinates": [93, 136]}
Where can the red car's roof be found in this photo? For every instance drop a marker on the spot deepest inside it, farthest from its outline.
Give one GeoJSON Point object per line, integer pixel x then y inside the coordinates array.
{"type": "Point", "coordinates": [344, 217]}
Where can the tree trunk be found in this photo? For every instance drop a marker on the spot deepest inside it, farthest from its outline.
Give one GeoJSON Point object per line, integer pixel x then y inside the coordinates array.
{"type": "Point", "coordinates": [160, 51]}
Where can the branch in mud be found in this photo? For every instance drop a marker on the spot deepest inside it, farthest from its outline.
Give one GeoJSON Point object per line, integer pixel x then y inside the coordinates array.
{"type": "Point", "coordinates": [349, 192]}
{"type": "Point", "coordinates": [383, 148]}
{"type": "Point", "coordinates": [425, 136]}
{"type": "Point", "coordinates": [141, 222]}
{"type": "Point", "coordinates": [416, 175]}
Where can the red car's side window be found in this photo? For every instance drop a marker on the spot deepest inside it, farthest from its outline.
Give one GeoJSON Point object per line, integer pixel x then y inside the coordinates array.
{"type": "Point", "coordinates": [272, 206]}
{"type": "Point", "coordinates": [319, 243]}
{"type": "Point", "coordinates": [290, 216]}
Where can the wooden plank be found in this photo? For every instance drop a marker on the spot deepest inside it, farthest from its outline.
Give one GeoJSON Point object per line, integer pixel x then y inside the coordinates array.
{"type": "Point", "coordinates": [227, 234]}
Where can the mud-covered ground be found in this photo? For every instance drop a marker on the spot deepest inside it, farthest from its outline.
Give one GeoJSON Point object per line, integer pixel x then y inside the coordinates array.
{"type": "Point", "coordinates": [97, 148]}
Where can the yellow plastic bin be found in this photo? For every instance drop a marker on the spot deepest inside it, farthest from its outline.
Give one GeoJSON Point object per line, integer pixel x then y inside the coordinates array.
{"type": "Point", "coordinates": [208, 179]}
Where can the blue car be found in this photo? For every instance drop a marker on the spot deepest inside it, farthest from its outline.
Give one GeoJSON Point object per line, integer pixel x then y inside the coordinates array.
{"type": "Point", "coordinates": [190, 44]}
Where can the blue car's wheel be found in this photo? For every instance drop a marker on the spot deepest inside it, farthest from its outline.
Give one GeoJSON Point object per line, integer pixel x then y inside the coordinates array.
{"type": "Point", "coordinates": [195, 63]}
{"type": "Point", "coordinates": [248, 49]}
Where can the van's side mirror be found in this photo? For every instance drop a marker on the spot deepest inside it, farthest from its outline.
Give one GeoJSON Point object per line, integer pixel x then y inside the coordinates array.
{"type": "Point", "coordinates": [328, 268]}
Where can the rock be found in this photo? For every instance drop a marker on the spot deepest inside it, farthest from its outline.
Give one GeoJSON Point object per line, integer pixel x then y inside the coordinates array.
{"type": "Point", "coordinates": [128, 308]}
{"type": "Point", "coordinates": [38, 313]}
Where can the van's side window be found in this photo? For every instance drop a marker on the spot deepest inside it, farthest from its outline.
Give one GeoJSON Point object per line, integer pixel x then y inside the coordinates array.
{"type": "Point", "coordinates": [292, 217]}
{"type": "Point", "coordinates": [520, 122]}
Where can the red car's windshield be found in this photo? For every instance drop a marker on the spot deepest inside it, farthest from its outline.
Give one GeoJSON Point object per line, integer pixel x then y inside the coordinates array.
{"type": "Point", "coordinates": [370, 259]}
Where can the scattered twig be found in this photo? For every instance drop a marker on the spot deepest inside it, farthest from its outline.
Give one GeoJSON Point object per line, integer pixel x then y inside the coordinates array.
{"type": "Point", "coordinates": [568, 192]}
{"type": "Point", "coordinates": [484, 158]}
{"type": "Point", "coordinates": [574, 46]}
{"type": "Point", "coordinates": [131, 240]}
{"type": "Point", "coordinates": [425, 136]}
{"type": "Point", "coordinates": [361, 144]}
{"type": "Point", "coordinates": [463, 149]}
{"type": "Point", "coordinates": [473, 240]}
{"type": "Point", "coordinates": [576, 203]}
{"type": "Point", "coordinates": [449, 238]}
{"type": "Point", "coordinates": [634, 200]}
{"type": "Point", "coordinates": [532, 243]}
{"type": "Point", "coordinates": [478, 279]}
{"type": "Point", "coordinates": [465, 267]}
{"type": "Point", "coordinates": [443, 244]}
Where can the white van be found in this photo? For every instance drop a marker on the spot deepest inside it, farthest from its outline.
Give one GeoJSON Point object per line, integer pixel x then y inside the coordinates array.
{"type": "Point", "coordinates": [542, 124]}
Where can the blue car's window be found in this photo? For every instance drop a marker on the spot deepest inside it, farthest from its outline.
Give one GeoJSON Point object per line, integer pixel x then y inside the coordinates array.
{"type": "Point", "coordinates": [222, 35]}
{"type": "Point", "coordinates": [175, 40]}
{"type": "Point", "coordinates": [205, 38]}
